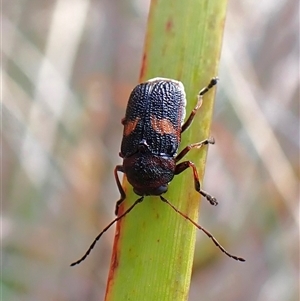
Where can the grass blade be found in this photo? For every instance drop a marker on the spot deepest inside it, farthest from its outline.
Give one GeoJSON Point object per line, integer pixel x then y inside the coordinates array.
{"type": "Point", "coordinates": [154, 247]}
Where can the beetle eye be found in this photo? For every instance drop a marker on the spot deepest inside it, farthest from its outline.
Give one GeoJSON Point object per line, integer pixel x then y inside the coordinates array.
{"type": "Point", "coordinates": [160, 190]}
{"type": "Point", "coordinates": [157, 191]}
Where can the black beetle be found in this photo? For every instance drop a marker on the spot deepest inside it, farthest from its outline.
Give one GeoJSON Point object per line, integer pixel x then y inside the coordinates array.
{"type": "Point", "coordinates": [153, 124]}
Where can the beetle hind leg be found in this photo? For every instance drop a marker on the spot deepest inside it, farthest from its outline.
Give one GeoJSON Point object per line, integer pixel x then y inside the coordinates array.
{"type": "Point", "coordinates": [188, 122]}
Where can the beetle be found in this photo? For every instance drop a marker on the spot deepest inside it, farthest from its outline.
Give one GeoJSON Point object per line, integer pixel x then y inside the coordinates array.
{"type": "Point", "coordinates": [153, 124]}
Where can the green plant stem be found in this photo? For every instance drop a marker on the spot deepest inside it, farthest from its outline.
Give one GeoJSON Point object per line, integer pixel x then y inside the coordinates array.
{"type": "Point", "coordinates": [154, 246]}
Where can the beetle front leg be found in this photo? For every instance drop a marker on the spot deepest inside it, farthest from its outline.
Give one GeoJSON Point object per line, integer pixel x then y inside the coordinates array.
{"type": "Point", "coordinates": [194, 145]}
{"type": "Point", "coordinates": [122, 192]}
{"type": "Point", "coordinates": [186, 164]}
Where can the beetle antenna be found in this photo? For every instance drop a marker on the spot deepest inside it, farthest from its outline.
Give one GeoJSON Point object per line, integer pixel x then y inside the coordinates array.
{"type": "Point", "coordinates": [104, 230]}
{"type": "Point", "coordinates": [204, 230]}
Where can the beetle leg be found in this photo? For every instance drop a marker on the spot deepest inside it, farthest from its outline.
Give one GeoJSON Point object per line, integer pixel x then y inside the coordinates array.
{"type": "Point", "coordinates": [122, 192]}
{"type": "Point", "coordinates": [186, 164]}
{"type": "Point", "coordinates": [212, 83]}
{"type": "Point", "coordinates": [194, 145]}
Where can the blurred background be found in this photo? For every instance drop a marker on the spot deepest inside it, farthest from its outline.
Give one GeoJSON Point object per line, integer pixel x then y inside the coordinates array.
{"type": "Point", "coordinates": [68, 67]}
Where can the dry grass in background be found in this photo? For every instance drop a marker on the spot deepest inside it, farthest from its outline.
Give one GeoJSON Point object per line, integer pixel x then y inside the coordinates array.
{"type": "Point", "coordinates": [67, 71]}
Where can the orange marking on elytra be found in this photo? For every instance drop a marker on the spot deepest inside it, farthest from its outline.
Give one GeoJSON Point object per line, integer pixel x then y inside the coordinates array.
{"type": "Point", "coordinates": [162, 126]}
{"type": "Point", "coordinates": [129, 126]}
